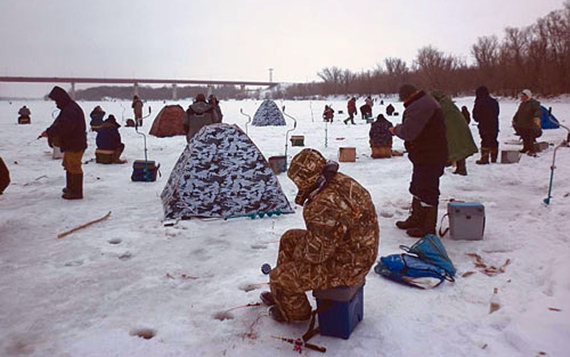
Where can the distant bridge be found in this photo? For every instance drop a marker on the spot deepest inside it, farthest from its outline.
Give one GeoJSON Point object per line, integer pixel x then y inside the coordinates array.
{"type": "Point", "coordinates": [134, 81]}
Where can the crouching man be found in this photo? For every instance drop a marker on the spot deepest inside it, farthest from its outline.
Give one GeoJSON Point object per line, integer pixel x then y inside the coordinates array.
{"type": "Point", "coordinates": [338, 246]}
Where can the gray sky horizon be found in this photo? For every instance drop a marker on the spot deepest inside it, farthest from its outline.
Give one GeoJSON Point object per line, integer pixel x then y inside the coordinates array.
{"type": "Point", "coordinates": [238, 40]}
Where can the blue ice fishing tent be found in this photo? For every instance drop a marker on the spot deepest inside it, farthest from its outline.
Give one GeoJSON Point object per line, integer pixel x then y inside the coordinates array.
{"type": "Point", "coordinates": [547, 120]}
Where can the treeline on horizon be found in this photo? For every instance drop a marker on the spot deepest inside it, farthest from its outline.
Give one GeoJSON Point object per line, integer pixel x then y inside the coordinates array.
{"type": "Point", "coordinates": [535, 57]}
{"type": "Point", "coordinates": [150, 93]}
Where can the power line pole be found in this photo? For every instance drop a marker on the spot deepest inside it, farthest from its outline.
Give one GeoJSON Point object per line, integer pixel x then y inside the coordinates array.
{"type": "Point", "coordinates": [270, 75]}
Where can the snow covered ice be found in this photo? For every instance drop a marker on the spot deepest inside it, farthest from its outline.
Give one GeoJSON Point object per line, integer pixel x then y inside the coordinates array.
{"type": "Point", "coordinates": [129, 286]}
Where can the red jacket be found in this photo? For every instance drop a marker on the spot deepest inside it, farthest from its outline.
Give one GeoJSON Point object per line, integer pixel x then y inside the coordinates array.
{"type": "Point", "coordinates": [351, 106]}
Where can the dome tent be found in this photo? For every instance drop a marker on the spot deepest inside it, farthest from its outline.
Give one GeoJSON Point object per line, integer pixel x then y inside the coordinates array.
{"type": "Point", "coordinates": [222, 174]}
{"type": "Point", "coordinates": [168, 122]}
{"type": "Point", "coordinates": [268, 114]}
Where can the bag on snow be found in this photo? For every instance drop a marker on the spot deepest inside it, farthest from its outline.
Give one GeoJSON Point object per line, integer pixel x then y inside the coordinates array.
{"type": "Point", "coordinates": [547, 120]}
{"type": "Point", "coordinates": [431, 250]}
{"type": "Point", "coordinates": [412, 271]}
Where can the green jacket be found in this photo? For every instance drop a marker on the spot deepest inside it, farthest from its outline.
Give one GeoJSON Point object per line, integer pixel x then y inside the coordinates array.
{"type": "Point", "coordinates": [524, 116]}
{"type": "Point", "coordinates": [460, 142]}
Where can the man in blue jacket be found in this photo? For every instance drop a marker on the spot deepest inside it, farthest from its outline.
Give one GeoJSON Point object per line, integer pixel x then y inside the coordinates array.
{"type": "Point", "coordinates": [424, 134]}
{"type": "Point", "coordinates": [108, 138]}
{"type": "Point", "coordinates": [69, 129]}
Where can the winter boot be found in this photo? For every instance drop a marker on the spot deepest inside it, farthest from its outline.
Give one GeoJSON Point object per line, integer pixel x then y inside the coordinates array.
{"type": "Point", "coordinates": [494, 154]}
{"type": "Point", "coordinates": [460, 168]}
{"type": "Point", "coordinates": [276, 314]}
{"type": "Point", "coordinates": [117, 156]}
{"type": "Point", "coordinates": [414, 219]}
{"type": "Point", "coordinates": [75, 191]}
{"type": "Point", "coordinates": [267, 298]}
{"type": "Point", "coordinates": [527, 145]}
{"type": "Point", "coordinates": [429, 215]}
{"type": "Point", "coordinates": [484, 156]}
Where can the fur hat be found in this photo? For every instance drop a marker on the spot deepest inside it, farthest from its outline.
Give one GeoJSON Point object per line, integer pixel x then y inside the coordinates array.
{"type": "Point", "coordinates": [526, 92]}
{"type": "Point", "coordinates": [482, 91]}
{"type": "Point", "coordinates": [405, 91]}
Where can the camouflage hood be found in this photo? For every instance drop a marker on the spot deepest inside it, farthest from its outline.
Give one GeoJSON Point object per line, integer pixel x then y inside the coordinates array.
{"type": "Point", "coordinates": [310, 171]}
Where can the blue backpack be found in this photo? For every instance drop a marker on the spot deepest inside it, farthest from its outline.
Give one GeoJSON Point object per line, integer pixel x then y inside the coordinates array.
{"type": "Point", "coordinates": [431, 250]}
{"type": "Point", "coordinates": [427, 264]}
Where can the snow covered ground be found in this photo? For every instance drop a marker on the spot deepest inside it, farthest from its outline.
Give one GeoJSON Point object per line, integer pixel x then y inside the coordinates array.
{"type": "Point", "coordinates": [95, 291]}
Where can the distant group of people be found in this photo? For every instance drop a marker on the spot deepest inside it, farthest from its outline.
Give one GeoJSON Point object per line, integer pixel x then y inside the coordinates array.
{"type": "Point", "coordinates": [352, 110]}
{"type": "Point", "coordinates": [68, 132]}
{"type": "Point", "coordinates": [365, 110]}
{"type": "Point", "coordinates": [340, 241]}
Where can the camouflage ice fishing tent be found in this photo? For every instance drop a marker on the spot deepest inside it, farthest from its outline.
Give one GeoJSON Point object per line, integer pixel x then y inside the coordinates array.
{"type": "Point", "coordinates": [168, 122]}
{"type": "Point", "coordinates": [221, 174]}
{"type": "Point", "coordinates": [268, 114]}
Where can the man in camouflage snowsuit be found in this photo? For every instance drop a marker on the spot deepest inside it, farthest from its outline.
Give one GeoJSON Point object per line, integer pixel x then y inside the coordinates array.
{"type": "Point", "coordinates": [339, 245]}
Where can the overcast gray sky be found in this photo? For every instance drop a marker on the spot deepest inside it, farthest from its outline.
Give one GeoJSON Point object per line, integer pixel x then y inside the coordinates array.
{"type": "Point", "coordinates": [239, 39]}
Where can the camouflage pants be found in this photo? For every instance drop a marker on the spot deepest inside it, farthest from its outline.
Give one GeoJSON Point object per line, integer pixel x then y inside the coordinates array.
{"type": "Point", "coordinates": [291, 278]}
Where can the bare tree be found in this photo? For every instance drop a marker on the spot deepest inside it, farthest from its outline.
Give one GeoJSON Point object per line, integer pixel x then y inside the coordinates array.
{"type": "Point", "coordinates": [435, 69]}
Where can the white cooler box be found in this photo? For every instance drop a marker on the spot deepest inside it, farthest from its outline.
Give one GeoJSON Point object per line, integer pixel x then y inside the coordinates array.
{"type": "Point", "coordinates": [466, 220]}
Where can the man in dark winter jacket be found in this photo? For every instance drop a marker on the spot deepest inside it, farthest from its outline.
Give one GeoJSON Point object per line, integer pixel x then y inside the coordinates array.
{"type": "Point", "coordinates": [199, 114]}
{"type": "Point", "coordinates": [108, 138]}
{"type": "Point", "coordinates": [351, 108]}
{"type": "Point", "coordinates": [526, 121]}
{"type": "Point", "coordinates": [486, 113]}
{"type": "Point", "coordinates": [97, 115]}
{"type": "Point", "coordinates": [215, 103]}
{"type": "Point", "coordinates": [69, 129]}
{"type": "Point", "coordinates": [424, 134]}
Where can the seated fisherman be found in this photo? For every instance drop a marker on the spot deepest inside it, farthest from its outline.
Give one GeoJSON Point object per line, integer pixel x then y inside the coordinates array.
{"type": "Point", "coordinates": [328, 114]}
{"type": "Point", "coordinates": [381, 138]}
{"type": "Point", "coordinates": [108, 138]}
{"type": "Point", "coordinates": [24, 115]}
{"type": "Point", "coordinates": [366, 111]}
{"type": "Point", "coordinates": [339, 245]}
{"type": "Point", "coordinates": [24, 112]}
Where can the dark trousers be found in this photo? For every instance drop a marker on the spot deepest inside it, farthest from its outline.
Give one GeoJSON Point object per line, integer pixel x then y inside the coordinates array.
{"type": "Point", "coordinates": [425, 182]}
{"type": "Point", "coordinates": [489, 140]}
{"type": "Point", "coordinates": [528, 137]}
